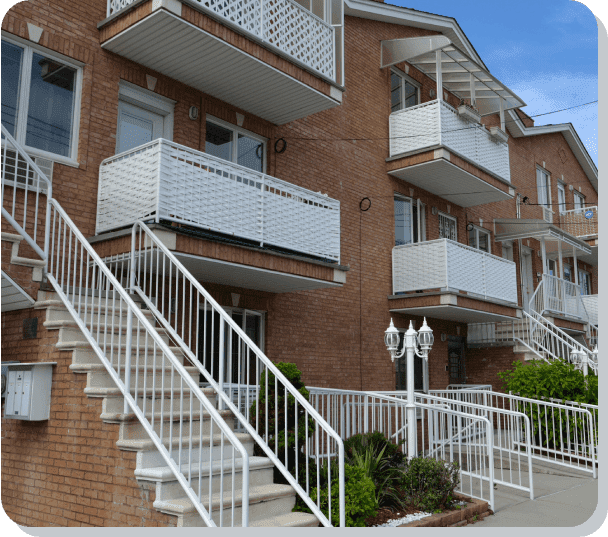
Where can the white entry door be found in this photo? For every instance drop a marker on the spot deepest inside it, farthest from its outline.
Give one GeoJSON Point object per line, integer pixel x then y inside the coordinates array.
{"type": "Point", "coordinates": [136, 126]}
{"type": "Point", "coordinates": [527, 278]}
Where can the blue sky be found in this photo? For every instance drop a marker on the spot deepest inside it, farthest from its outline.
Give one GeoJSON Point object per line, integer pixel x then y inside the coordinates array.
{"type": "Point", "coordinates": [546, 51]}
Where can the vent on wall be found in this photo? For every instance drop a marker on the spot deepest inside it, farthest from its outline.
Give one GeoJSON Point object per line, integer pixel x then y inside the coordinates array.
{"type": "Point", "coordinates": [17, 170]}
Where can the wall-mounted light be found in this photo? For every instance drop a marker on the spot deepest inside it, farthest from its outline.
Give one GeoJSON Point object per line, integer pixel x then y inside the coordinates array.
{"type": "Point", "coordinates": [193, 113]}
{"type": "Point", "coordinates": [444, 337]}
{"type": "Point", "coordinates": [432, 93]}
{"type": "Point", "coordinates": [434, 210]}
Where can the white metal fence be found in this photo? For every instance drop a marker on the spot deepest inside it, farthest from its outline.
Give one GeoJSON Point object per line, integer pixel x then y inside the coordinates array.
{"type": "Point", "coordinates": [234, 366]}
{"type": "Point", "coordinates": [576, 222]}
{"type": "Point", "coordinates": [564, 433]}
{"type": "Point", "coordinates": [560, 296]}
{"type": "Point", "coordinates": [443, 432]}
{"type": "Point", "coordinates": [438, 123]}
{"type": "Point", "coordinates": [165, 180]}
{"type": "Point", "coordinates": [189, 433]}
{"type": "Point", "coordinates": [445, 264]}
{"type": "Point", "coordinates": [25, 191]}
{"type": "Point", "coordinates": [282, 23]}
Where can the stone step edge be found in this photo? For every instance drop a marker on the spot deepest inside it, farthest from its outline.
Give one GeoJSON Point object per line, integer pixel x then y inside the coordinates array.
{"type": "Point", "coordinates": [294, 519]}
{"type": "Point", "coordinates": [119, 417]}
{"type": "Point", "coordinates": [148, 445]}
{"type": "Point", "coordinates": [262, 493]}
{"type": "Point", "coordinates": [163, 474]}
{"type": "Point", "coordinates": [95, 368]}
{"type": "Point", "coordinates": [58, 325]}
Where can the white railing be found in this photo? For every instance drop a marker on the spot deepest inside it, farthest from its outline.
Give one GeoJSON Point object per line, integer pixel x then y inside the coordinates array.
{"type": "Point", "coordinates": [162, 180]}
{"type": "Point", "coordinates": [559, 296]}
{"type": "Point", "coordinates": [590, 303]}
{"type": "Point", "coordinates": [25, 190]}
{"type": "Point", "coordinates": [562, 433]}
{"type": "Point", "coordinates": [186, 429]}
{"type": "Point", "coordinates": [445, 264]}
{"type": "Point", "coordinates": [246, 382]}
{"type": "Point", "coordinates": [444, 433]}
{"type": "Point", "coordinates": [576, 222]}
{"type": "Point", "coordinates": [282, 23]}
{"type": "Point", "coordinates": [493, 334]}
{"type": "Point", "coordinates": [437, 123]}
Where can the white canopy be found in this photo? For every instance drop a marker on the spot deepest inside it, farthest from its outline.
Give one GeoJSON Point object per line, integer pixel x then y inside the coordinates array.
{"type": "Point", "coordinates": [460, 74]}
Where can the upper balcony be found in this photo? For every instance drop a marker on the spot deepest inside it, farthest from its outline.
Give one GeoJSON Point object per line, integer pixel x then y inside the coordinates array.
{"type": "Point", "coordinates": [165, 181]}
{"type": "Point", "coordinates": [455, 281]}
{"type": "Point", "coordinates": [273, 58]}
{"type": "Point", "coordinates": [444, 150]}
{"type": "Point", "coordinates": [581, 223]}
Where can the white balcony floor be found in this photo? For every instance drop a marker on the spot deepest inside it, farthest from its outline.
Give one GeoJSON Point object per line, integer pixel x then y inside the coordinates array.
{"type": "Point", "coordinates": [171, 46]}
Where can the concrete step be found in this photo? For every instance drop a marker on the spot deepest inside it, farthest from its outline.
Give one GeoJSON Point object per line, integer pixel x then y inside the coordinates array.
{"type": "Point", "coordinates": [168, 488]}
{"type": "Point", "coordinates": [70, 333]}
{"type": "Point", "coordinates": [145, 377]}
{"type": "Point", "coordinates": [288, 520]}
{"type": "Point", "coordinates": [59, 312]}
{"type": "Point", "coordinates": [263, 500]}
{"type": "Point", "coordinates": [113, 404]}
{"type": "Point", "coordinates": [83, 355]}
{"type": "Point", "coordinates": [148, 455]}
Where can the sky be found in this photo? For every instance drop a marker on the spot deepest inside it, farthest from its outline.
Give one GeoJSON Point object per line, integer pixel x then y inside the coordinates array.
{"type": "Point", "coordinates": [546, 51]}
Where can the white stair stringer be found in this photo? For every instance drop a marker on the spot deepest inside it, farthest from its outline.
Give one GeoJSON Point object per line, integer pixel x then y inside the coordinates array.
{"type": "Point", "coordinates": [270, 504]}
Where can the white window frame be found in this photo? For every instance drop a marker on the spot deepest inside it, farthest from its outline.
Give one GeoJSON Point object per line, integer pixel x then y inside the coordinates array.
{"type": "Point", "coordinates": [420, 214]}
{"type": "Point", "coordinates": [546, 199]}
{"type": "Point", "coordinates": [507, 250]}
{"type": "Point", "coordinates": [561, 197]}
{"type": "Point", "coordinates": [411, 81]}
{"type": "Point", "coordinates": [453, 219]}
{"type": "Point", "coordinates": [581, 200]}
{"type": "Point", "coordinates": [239, 130]}
{"type": "Point", "coordinates": [479, 230]}
{"type": "Point", "coordinates": [24, 93]}
{"type": "Point", "coordinates": [582, 276]}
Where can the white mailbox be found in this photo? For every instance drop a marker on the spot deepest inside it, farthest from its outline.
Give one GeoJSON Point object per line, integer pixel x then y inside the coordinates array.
{"type": "Point", "coordinates": [28, 394]}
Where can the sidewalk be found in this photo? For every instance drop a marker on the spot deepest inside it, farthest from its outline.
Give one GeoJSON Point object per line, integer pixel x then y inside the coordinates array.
{"type": "Point", "coordinates": [563, 498]}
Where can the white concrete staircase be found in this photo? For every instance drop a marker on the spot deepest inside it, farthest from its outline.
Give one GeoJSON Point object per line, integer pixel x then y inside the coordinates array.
{"type": "Point", "coordinates": [270, 504]}
{"type": "Point", "coordinates": [35, 264]}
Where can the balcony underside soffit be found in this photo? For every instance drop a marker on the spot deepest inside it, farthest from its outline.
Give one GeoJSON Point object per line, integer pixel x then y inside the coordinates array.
{"type": "Point", "coordinates": [452, 183]}
{"type": "Point", "coordinates": [519, 228]}
{"type": "Point", "coordinates": [169, 45]}
{"type": "Point", "coordinates": [460, 74]}
{"type": "Point", "coordinates": [448, 312]}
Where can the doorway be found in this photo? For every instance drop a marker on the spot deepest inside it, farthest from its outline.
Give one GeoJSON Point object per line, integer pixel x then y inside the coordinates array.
{"type": "Point", "coordinates": [527, 278]}
{"type": "Point", "coordinates": [456, 360]}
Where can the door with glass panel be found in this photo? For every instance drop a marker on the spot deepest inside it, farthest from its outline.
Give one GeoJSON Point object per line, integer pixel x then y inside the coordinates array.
{"type": "Point", "coordinates": [527, 278]}
{"type": "Point", "coordinates": [409, 221]}
{"type": "Point", "coordinates": [136, 126]}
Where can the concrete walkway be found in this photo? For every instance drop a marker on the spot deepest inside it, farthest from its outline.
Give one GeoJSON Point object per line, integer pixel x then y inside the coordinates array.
{"type": "Point", "coordinates": [563, 498]}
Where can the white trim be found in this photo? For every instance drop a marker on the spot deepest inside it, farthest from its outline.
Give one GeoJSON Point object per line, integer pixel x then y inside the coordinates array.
{"type": "Point", "coordinates": [26, 70]}
{"type": "Point", "coordinates": [410, 81]}
{"type": "Point", "coordinates": [240, 130]}
{"type": "Point", "coordinates": [485, 231]}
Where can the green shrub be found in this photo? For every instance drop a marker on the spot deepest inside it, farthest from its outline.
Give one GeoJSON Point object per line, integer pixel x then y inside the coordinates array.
{"type": "Point", "coordinates": [359, 498]}
{"type": "Point", "coordinates": [278, 421]}
{"type": "Point", "coordinates": [558, 380]}
{"type": "Point", "coordinates": [429, 484]}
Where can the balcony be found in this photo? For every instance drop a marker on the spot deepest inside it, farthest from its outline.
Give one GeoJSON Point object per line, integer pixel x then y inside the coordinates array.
{"type": "Point", "coordinates": [165, 181]}
{"type": "Point", "coordinates": [435, 125]}
{"type": "Point", "coordinates": [591, 305]}
{"type": "Point", "coordinates": [272, 58]}
{"type": "Point", "coordinates": [456, 282]}
{"type": "Point", "coordinates": [581, 223]}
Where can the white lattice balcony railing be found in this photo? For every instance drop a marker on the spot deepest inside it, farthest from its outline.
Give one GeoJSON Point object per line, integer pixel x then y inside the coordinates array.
{"type": "Point", "coordinates": [437, 123]}
{"type": "Point", "coordinates": [445, 264]}
{"type": "Point", "coordinates": [559, 296]}
{"type": "Point", "coordinates": [284, 24]}
{"type": "Point", "coordinates": [580, 222]}
{"type": "Point", "coordinates": [590, 303]}
{"type": "Point", "coordinates": [168, 181]}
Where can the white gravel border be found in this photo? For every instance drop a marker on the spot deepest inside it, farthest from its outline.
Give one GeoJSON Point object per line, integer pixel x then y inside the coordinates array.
{"type": "Point", "coordinates": [408, 518]}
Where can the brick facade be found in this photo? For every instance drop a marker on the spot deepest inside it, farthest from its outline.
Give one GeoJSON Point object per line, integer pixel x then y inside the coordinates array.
{"type": "Point", "coordinates": [68, 471]}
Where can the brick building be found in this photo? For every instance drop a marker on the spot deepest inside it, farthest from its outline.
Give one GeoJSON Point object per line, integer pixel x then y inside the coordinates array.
{"type": "Point", "coordinates": [315, 192]}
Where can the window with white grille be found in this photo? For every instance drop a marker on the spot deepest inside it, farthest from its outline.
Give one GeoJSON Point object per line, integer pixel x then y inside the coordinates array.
{"type": "Point", "coordinates": [579, 201]}
{"type": "Point", "coordinates": [561, 197]}
{"type": "Point", "coordinates": [447, 227]}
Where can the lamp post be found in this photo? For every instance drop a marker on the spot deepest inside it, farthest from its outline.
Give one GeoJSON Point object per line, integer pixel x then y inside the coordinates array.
{"type": "Point", "coordinates": [411, 340]}
{"type": "Point", "coordinates": [580, 358]}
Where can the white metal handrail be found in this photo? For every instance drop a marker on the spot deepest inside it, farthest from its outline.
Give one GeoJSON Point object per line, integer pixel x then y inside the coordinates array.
{"type": "Point", "coordinates": [575, 222]}
{"type": "Point", "coordinates": [441, 431]}
{"type": "Point", "coordinates": [563, 434]}
{"type": "Point", "coordinates": [232, 363]}
{"type": "Point", "coordinates": [157, 388]}
{"type": "Point", "coordinates": [284, 24]}
{"type": "Point", "coordinates": [447, 264]}
{"type": "Point", "coordinates": [169, 181]}
{"type": "Point", "coordinates": [23, 180]}
{"type": "Point", "coordinates": [438, 123]}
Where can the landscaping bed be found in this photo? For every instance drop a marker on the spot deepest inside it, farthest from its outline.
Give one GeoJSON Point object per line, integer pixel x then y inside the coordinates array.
{"type": "Point", "coordinates": [470, 513]}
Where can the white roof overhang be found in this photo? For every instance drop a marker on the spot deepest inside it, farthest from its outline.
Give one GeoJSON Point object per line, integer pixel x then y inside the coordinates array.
{"type": "Point", "coordinates": [13, 296]}
{"type": "Point", "coordinates": [460, 74]}
{"type": "Point", "coordinates": [458, 314]}
{"type": "Point", "coordinates": [506, 229]}
{"type": "Point", "coordinates": [517, 129]}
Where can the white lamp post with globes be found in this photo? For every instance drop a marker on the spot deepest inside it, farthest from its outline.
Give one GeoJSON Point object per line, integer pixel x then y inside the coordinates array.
{"type": "Point", "coordinates": [424, 337]}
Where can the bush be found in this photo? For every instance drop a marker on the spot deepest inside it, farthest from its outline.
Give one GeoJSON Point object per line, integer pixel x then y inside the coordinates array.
{"type": "Point", "coordinates": [359, 498]}
{"type": "Point", "coordinates": [278, 421]}
{"type": "Point", "coordinates": [429, 484]}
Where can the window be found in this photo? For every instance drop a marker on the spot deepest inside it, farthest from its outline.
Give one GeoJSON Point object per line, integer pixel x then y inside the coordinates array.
{"type": "Point", "coordinates": [561, 198]}
{"type": "Point", "coordinates": [579, 201]}
{"type": "Point", "coordinates": [410, 221]}
{"type": "Point", "coordinates": [543, 185]}
{"type": "Point", "coordinates": [228, 142]}
{"type": "Point", "coordinates": [143, 116]}
{"type": "Point", "coordinates": [404, 91]}
{"type": "Point", "coordinates": [584, 280]}
{"type": "Point", "coordinates": [447, 227]}
{"type": "Point", "coordinates": [568, 273]}
{"type": "Point", "coordinates": [41, 100]}
{"type": "Point", "coordinates": [480, 239]}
